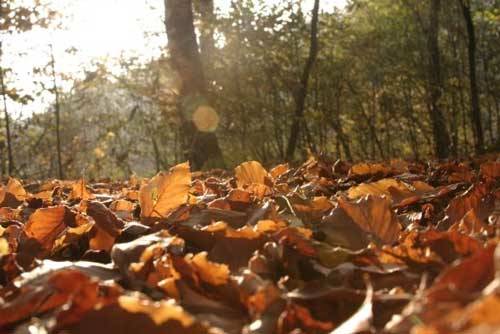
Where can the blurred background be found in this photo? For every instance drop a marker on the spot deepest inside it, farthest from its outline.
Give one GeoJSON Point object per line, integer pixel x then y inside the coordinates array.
{"type": "Point", "coordinates": [88, 87]}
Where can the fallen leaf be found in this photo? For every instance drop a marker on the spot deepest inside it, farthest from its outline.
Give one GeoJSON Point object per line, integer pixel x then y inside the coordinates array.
{"type": "Point", "coordinates": [250, 172]}
{"type": "Point", "coordinates": [374, 215]}
{"type": "Point", "coordinates": [79, 191]}
{"type": "Point", "coordinates": [361, 320]}
{"type": "Point", "coordinates": [160, 312]}
{"type": "Point", "coordinates": [165, 192]}
{"type": "Point", "coordinates": [208, 271]}
{"type": "Point", "coordinates": [45, 225]}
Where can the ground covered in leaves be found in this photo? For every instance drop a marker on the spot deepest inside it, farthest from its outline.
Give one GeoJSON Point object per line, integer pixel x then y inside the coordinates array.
{"type": "Point", "coordinates": [327, 247]}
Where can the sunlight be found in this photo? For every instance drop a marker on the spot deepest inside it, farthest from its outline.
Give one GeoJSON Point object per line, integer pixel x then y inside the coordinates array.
{"type": "Point", "coordinates": [107, 28]}
{"type": "Point", "coordinates": [100, 31]}
{"type": "Point", "coordinates": [205, 118]}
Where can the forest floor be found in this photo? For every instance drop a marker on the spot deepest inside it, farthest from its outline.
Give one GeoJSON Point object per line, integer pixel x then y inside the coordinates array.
{"type": "Point", "coordinates": [327, 247]}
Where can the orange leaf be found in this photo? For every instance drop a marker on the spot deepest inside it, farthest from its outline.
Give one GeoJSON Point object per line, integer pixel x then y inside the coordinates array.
{"type": "Point", "coordinates": [165, 192]}
{"type": "Point", "coordinates": [46, 224]}
{"type": "Point", "coordinates": [79, 191]}
{"type": "Point", "coordinates": [208, 271]}
{"type": "Point", "coordinates": [250, 172]}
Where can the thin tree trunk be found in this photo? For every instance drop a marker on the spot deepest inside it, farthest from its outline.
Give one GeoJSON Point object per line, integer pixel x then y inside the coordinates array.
{"type": "Point", "coordinates": [337, 125]}
{"type": "Point", "coordinates": [202, 148]}
{"type": "Point", "coordinates": [475, 112]}
{"type": "Point", "coordinates": [440, 132]}
{"type": "Point", "coordinates": [58, 115]}
{"type": "Point", "coordinates": [301, 94]}
{"type": "Point", "coordinates": [10, 156]}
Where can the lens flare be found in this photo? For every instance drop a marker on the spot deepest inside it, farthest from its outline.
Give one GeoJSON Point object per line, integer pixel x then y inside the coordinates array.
{"type": "Point", "coordinates": [205, 118]}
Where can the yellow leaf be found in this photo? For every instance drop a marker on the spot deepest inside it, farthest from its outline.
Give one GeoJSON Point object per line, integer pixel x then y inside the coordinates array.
{"type": "Point", "coordinates": [79, 191]}
{"type": "Point", "coordinates": [250, 172]}
{"type": "Point", "coordinates": [380, 188]}
{"type": "Point", "coordinates": [165, 192]}
{"type": "Point", "coordinates": [160, 312]}
{"type": "Point", "coordinates": [210, 272]}
{"type": "Point", "coordinates": [369, 169]}
{"type": "Point", "coordinates": [4, 247]}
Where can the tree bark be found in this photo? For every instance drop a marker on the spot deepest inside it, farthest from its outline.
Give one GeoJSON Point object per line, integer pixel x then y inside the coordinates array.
{"type": "Point", "coordinates": [201, 148]}
{"type": "Point", "coordinates": [301, 94]}
{"type": "Point", "coordinates": [475, 112]}
{"type": "Point", "coordinates": [10, 156]}
{"type": "Point", "coordinates": [439, 129]}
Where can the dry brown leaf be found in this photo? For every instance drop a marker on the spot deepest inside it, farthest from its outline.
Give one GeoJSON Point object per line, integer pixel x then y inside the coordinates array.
{"type": "Point", "coordinates": [279, 170]}
{"type": "Point", "coordinates": [102, 240]}
{"type": "Point", "coordinates": [160, 312]}
{"type": "Point", "coordinates": [250, 172]}
{"type": "Point", "coordinates": [469, 276]}
{"type": "Point", "coordinates": [399, 166]}
{"type": "Point", "coordinates": [381, 187]}
{"type": "Point", "coordinates": [360, 321]}
{"type": "Point", "coordinates": [46, 224]}
{"type": "Point", "coordinates": [470, 200]}
{"type": "Point", "coordinates": [122, 205]}
{"type": "Point", "coordinates": [12, 194]}
{"type": "Point", "coordinates": [374, 215]}
{"type": "Point", "coordinates": [396, 190]}
{"type": "Point", "coordinates": [368, 169]}
{"type": "Point", "coordinates": [79, 191]}
{"type": "Point", "coordinates": [15, 187]}
{"type": "Point", "coordinates": [490, 170]}
{"type": "Point", "coordinates": [208, 271]}
{"type": "Point", "coordinates": [9, 213]}
{"type": "Point", "coordinates": [165, 192]}
{"type": "Point", "coordinates": [471, 224]}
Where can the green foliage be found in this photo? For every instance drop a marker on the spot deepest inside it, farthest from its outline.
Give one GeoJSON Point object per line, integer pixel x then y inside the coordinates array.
{"type": "Point", "coordinates": [368, 96]}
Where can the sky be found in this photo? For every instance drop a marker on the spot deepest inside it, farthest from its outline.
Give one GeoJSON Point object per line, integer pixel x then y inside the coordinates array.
{"type": "Point", "coordinates": [99, 30]}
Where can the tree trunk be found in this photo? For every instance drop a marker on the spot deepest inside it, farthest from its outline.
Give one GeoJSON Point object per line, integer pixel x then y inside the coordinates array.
{"type": "Point", "coordinates": [201, 147]}
{"type": "Point", "coordinates": [339, 130]}
{"type": "Point", "coordinates": [475, 112]}
{"type": "Point", "coordinates": [301, 94]}
{"type": "Point", "coordinates": [7, 120]}
{"type": "Point", "coordinates": [439, 129]}
{"type": "Point", "coordinates": [58, 115]}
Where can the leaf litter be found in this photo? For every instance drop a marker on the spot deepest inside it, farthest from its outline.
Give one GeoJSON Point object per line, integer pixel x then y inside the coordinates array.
{"type": "Point", "coordinates": [327, 247]}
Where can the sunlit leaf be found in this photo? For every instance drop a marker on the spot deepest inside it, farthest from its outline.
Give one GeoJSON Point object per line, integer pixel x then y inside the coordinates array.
{"type": "Point", "coordinates": [45, 225]}
{"type": "Point", "coordinates": [165, 192]}
{"type": "Point", "coordinates": [250, 172]}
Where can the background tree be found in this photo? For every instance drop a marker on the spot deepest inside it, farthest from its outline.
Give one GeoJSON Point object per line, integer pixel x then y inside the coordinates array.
{"type": "Point", "coordinates": [301, 94]}
{"type": "Point", "coordinates": [474, 96]}
{"type": "Point", "coordinates": [16, 18]}
{"type": "Point", "coordinates": [368, 93]}
{"type": "Point", "coordinates": [202, 145]}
